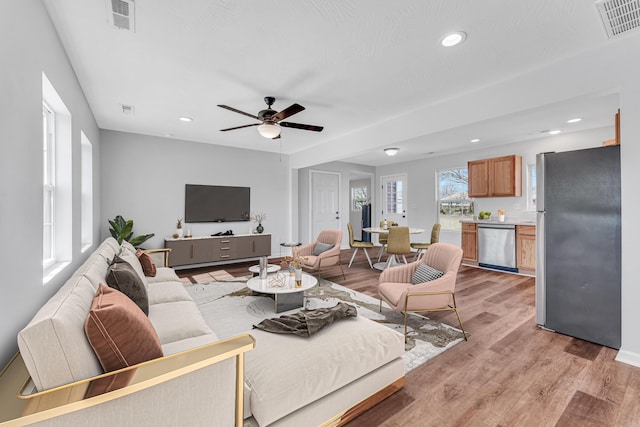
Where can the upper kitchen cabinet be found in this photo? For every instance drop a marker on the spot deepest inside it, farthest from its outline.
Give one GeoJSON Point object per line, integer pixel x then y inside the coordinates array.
{"type": "Point", "coordinates": [496, 177]}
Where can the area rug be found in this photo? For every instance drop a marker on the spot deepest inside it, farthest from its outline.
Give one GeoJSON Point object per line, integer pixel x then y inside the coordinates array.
{"type": "Point", "coordinates": [230, 309]}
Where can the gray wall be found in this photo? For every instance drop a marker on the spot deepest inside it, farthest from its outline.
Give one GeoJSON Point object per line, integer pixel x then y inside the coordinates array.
{"type": "Point", "coordinates": [29, 45]}
{"type": "Point", "coordinates": [144, 179]}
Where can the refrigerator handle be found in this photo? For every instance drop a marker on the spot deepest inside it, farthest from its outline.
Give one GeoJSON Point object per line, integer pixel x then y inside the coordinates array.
{"type": "Point", "coordinates": [541, 299]}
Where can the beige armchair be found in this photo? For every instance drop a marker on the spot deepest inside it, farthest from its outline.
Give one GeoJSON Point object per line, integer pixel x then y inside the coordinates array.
{"type": "Point", "coordinates": [326, 258]}
{"type": "Point", "coordinates": [396, 289]}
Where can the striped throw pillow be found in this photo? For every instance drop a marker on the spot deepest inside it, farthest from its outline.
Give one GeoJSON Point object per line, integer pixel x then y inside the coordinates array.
{"type": "Point", "coordinates": [425, 273]}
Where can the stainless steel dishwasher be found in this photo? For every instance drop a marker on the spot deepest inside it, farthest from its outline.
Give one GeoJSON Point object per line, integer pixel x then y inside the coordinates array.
{"type": "Point", "coordinates": [497, 246]}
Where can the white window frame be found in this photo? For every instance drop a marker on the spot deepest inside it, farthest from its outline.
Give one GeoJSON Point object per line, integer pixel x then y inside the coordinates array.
{"type": "Point", "coordinates": [448, 224]}
{"type": "Point", "coordinates": [59, 173]}
{"type": "Point", "coordinates": [49, 189]}
{"type": "Point", "coordinates": [86, 189]}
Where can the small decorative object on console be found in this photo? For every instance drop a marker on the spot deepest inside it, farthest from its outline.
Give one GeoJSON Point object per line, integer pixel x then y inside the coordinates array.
{"type": "Point", "coordinates": [179, 230]}
{"type": "Point", "coordinates": [259, 217]}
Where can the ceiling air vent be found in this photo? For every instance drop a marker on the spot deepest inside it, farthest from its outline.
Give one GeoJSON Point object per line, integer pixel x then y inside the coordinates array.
{"type": "Point", "coordinates": [619, 16]}
{"type": "Point", "coordinates": [121, 14]}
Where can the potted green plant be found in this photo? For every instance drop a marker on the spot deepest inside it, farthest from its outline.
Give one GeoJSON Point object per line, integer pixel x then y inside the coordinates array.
{"type": "Point", "coordinates": [122, 229]}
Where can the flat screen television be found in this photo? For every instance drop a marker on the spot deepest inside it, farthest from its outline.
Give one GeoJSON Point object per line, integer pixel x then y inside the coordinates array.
{"type": "Point", "coordinates": [216, 203]}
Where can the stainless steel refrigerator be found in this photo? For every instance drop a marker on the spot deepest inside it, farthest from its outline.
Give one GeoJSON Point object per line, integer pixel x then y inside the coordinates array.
{"type": "Point", "coordinates": [578, 244]}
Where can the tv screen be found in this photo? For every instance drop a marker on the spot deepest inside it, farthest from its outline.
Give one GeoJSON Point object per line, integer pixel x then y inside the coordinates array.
{"type": "Point", "coordinates": [216, 203]}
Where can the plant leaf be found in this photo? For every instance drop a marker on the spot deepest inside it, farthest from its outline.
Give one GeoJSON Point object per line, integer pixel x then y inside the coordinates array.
{"type": "Point", "coordinates": [138, 240]}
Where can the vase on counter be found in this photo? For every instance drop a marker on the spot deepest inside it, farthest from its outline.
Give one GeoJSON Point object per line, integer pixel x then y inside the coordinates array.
{"type": "Point", "coordinates": [500, 218]}
{"type": "Point", "coordinates": [259, 228]}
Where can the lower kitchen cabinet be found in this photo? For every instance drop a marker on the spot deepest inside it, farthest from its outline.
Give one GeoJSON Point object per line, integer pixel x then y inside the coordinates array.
{"type": "Point", "coordinates": [469, 243]}
{"type": "Point", "coordinates": [526, 249]}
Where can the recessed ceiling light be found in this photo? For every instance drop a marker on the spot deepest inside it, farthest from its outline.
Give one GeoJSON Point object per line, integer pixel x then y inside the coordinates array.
{"type": "Point", "coordinates": [391, 151]}
{"type": "Point", "coordinates": [554, 132]}
{"type": "Point", "coordinates": [576, 120]}
{"type": "Point", "coordinates": [186, 119]}
{"type": "Point", "coordinates": [475, 140]}
{"type": "Point", "coordinates": [453, 38]}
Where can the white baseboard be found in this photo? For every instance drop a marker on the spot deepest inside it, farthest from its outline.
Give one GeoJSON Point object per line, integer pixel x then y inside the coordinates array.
{"type": "Point", "coordinates": [628, 357]}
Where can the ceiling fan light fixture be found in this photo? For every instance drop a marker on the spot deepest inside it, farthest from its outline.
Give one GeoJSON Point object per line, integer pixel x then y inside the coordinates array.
{"type": "Point", "coordinates": [391, 151]}
{"type": "Point", "coordinates": [269, 130]}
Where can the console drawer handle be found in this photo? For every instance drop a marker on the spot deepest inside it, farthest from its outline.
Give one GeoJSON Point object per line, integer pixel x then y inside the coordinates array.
{"type": "Point", "coordinates": [225, 256]}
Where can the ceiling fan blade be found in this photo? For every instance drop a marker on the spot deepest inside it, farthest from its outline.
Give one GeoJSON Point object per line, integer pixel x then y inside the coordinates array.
{"type": "Point", "coordinates": [301, 126]}
{"type": "Point", "coordinates": [240, 127]}
{"type": "Point", "coordinates": [287, 112]}
{"type": "Point", "coordinates": [226, 107]}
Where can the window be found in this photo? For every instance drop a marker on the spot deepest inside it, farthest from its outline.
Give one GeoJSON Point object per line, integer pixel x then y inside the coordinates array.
{"type": "Point", "coordinates": [394, 197]}
{"type": "Point", "coordinates": [86, 184]}
{"type": "Point", "coordinates": [57, 225]}
{"type": "Point", "coordinates": [531, 187]}
{"type": "Point", "coordinates": [359, 197]}
{"type": "Point", "coordinates": [48, 192]}
{"type": "Point", "coordinates": [453, 198]}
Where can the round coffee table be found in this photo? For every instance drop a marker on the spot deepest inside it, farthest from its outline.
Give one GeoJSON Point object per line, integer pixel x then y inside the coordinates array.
{"type": "Point", "coordinates": [281, 287]}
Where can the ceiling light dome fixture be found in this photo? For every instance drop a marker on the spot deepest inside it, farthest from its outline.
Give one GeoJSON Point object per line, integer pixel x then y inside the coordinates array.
{"type": "Point", "coordinates": [269, 130]}
{"type": "Point", "coordinates": [453, 38]}
{"type": "Point", "coordinates": [391, 151]}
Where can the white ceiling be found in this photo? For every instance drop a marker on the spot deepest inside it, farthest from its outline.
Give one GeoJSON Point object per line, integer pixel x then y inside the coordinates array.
{"type": "Point", "coordinates": [352, 63]}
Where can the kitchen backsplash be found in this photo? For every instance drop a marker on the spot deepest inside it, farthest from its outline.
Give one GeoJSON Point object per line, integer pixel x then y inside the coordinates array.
{"type": "Point", "coordinates": [515, 207]}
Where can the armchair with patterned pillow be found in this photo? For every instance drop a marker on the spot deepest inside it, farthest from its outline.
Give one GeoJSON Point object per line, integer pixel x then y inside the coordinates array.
{"type": "Point", "coordinates": [323, 252]}
{"type": "Point", "coordinates": [424, 285]}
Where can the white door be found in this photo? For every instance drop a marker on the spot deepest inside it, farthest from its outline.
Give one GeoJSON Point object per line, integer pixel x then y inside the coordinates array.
{"type": "Point", "coordinates": [325, 201]}
{"type": "Point", "coordinates": [394, 199]}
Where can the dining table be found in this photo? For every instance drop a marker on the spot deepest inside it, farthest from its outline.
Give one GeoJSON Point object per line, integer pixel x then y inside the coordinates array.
{"type": "Point", "coordinates": [392, 259]}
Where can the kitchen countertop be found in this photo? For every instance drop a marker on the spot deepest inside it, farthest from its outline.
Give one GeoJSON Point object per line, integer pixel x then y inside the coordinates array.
{"type": "Point", "coordinates": [506, 222]}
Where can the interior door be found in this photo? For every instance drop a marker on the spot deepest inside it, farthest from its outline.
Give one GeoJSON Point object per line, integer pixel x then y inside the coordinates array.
{"type": "Point", "coordinates": [394, 199]}
{"type": "Point", "coordinates": [325, 202]}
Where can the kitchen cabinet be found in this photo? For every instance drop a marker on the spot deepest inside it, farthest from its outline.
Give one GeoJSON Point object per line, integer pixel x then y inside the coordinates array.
{"type": "Point", "coordinates": [470, 243]}
{"type": "Point", "coordinates": [526, 249]}
{"type": "Point", "coordinates": [495, 177]}
{"type": "Point", "coordinates": [200, 250]}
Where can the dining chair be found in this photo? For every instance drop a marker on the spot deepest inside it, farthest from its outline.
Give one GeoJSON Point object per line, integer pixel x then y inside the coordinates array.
{"type": "Point", "coordinates": [421, 247]}
{"type": "Point", "coordinates": [358, 245]}
{"type": "Point", "coordinates": [398, 243]}
{"type": "Point", "coordinates": [382, 237]}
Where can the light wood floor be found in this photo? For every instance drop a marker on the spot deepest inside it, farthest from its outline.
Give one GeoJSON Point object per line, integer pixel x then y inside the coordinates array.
{"type": "Point", "coordinates": [509, 373]}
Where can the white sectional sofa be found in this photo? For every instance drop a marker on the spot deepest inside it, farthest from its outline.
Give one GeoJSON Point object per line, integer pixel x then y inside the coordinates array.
{"type": "Point", "coordinates": [287, 381]}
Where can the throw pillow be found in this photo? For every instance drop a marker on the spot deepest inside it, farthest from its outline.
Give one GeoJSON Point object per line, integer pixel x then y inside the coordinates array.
{"type": "Point", "coordinates": [119, 333]}
{"type": "Point", "coordinates": [148, 266]}
{"type": "Point", "coordinates": [425, 273]}
{"type": "Point", "coordinates": [321, 247]}
{"type": "Point", "coordinates": [123, 277]}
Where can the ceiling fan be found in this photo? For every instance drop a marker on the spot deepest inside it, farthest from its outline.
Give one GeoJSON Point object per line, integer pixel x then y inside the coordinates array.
{"type": "Point", "coordinates": [271, 120]}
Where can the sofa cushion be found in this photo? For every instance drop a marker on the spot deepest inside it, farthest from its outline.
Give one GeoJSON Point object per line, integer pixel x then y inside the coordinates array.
{"type": "Point", "coordinates": [53, 345]}
{"type": "Point", "coordinates": [321, 247]}
{"type": "Point", "coordinates": [148, 266]}
{"type": "Point", "coordinates": [123, 277]}
{"type": "Point", "coordinates": [119, 332]}
{"type": "Point", "coordinates": [349, 349]}
{"type": "Point", "coordinates": [133, 260]}
{"type": "Point", "coordinates": [164, 274]}
{"type": "Point", "coordinates": [175, 321]}
{"type": "Point", "coordinates": [162, 292]}
{"type": "Point", "coordinates": [188, 343]}
{"type": "Point", "coordinates": [425, 273]}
